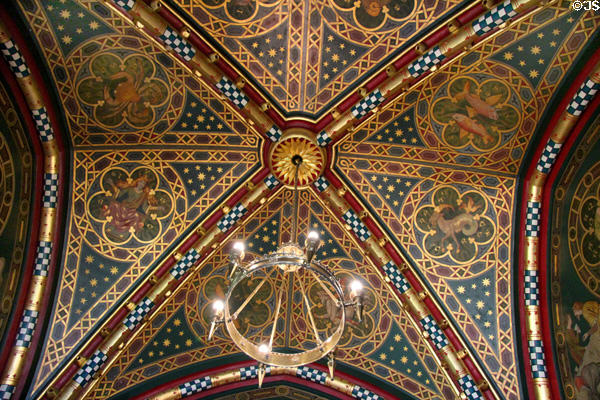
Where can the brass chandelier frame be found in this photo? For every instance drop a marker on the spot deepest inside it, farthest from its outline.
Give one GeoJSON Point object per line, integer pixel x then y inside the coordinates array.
{"type": "Point", "coordinates": [290, 258]}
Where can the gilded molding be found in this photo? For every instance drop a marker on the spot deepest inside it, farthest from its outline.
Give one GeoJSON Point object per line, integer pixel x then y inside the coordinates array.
{"type": "Point", "coordinates": [148, 17]}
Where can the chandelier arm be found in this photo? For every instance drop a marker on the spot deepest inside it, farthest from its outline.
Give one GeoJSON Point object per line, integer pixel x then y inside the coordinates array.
{"type": "Point", "coordinates": [335, 301]}
{"type": "Point", "coordinates": [309, 312]}
{"type": "Point", "coordinates": [295, 223]}
{"type": "Point", "coordinates": [278, 306]}
{"type": "Point", "coordinates": [245, 303]}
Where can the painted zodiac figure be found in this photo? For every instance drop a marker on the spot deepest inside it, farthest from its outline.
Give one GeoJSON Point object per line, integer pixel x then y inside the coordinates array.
{"type": "Point", "coordinates": [583, 338]}
{"type": "Point", "coordinates": [465, 223]}
{"type": "Point", "coordinates": [130, 204]}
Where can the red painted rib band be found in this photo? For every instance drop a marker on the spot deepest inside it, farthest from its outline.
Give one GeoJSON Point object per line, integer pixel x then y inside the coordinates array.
{"type": "Point", "coordinates": [353, 203]}
{"type": "Point", "coordinates": [227, 69]}
{"type": "Point", "coordinates": [332, 178]}
{"type": "Point", "coordinates": [170, 18]}
{"type": "Point", "coordinates": [140, 293]}
{"type": "Point", "coordinates": [373, 227]}
{"type": "Point", "coordinates": [164, 267]}
{"type": "Point", "coordinates": [376, 81]}
{"type": "Point", "coordinates": [323, 122]}
{"type": "Point", "coordinates": [439, 35]}
{"type": "Point", "coordinates": [213, 219]}
{"type": "Point", "coordinates": [188, 243]}
{"type": "Point", "coordinates": [348, 102]}
{"type": "Point", "coordinates": [406, 59]}
{"type": "Point", "coordinates": [275, 378]}
{"type": "Point", "coordinates": [117, 319]}
{"type": "Point", "coordinates": [433, 309]}
{"type": "Point", "coordinates": [452, 338]}
{"type": "Point", "coordinates": [262, 174]}
{"type": "Point", "coordinates": [66, 376]}
{"type": "Point", "coordinates": [300, 124]}
{"type": "Point", "coordinates": [274, 115]}
{"type": "Point", "coordinates": [471, 14]}
{"type": "Point", "coordinates": [237, 196]}
{"type": "Point", "coordinates": [472, 369]}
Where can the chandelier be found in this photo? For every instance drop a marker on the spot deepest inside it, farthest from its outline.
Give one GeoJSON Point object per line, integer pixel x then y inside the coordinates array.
{"type": "Point", "coordinates": [294, 272]}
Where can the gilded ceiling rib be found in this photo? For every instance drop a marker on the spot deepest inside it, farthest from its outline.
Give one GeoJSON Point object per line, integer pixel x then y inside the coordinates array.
{"type": "Point", "coordinates": [534, 191]}
{"type": "Point", "coordinates": [241, 374]}
{"type": "Point", "coordinates": [38, 281]}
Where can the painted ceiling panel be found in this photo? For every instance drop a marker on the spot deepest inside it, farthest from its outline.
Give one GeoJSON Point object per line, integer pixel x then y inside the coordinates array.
{"type": "Point", "coordinates": [455, 227]}
{"type": "Point", "coordinates": [127, 208]}
{"type": "Point", "coordinates": [387, 346]}
{"type": "Point", "coordinates": [119, 87]}
{"type": "Point", "coordinates": [481, 110]}
{"type": "Point", "coordinates": [158, 155]}
{"type": "Point", "coordinates": [305, 54]}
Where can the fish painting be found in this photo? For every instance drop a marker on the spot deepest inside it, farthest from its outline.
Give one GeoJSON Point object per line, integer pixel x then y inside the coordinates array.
{"type": "Point", "coordinates": [477, 105]}
{"type": "Point", "coordinates": [471, 126]}
{"type": "Point", "coordinates": [475, 112]}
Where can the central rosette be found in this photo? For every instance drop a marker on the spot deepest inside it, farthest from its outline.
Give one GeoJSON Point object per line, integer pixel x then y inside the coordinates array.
{"type": "Point", "coordinates": [297, 142]}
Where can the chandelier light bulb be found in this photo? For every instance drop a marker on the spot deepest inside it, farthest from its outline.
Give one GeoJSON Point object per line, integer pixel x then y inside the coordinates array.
{"type": "Point", "coordinates": [218, 306]}
{"type": "Point", "coordinates": [263, 348]}
{"type": "Point", "coordinates": [239, 247]}
{"type": "Point", "coordinates": [313, 235]}
{"type": "Point", "coordinates": [356, 287]}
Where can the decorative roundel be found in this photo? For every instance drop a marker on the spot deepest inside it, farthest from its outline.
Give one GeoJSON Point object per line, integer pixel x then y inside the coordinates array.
{"type": "Point", "coordinates": [584, 229]}
{"type": "Point", "coordinates": [295, 143]}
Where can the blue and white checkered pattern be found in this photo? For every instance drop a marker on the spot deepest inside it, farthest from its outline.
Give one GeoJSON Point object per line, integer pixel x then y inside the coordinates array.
{"type": "Point", "coordinates": [42, 261]}
{"type": "Point", "coordinates": [125, 4]}
{"type": "Point", "coordinates": [50, 190]}
{"type": "Point", "coordinates": [195, 386]}
{"type": "Point", "coordinates": [186, 262]}
{"type": "Point", "coordinates": [493, 18]}
{"type": "Point", "coordinates": [274, 133]}
{"type": "Point", "coordinates": [469, 388]}
{"type": "Point", "coordinates": [138, 313]}
{"type": "Point", "coordinates": [537, 359]}
{"type": "Point", "coordinates": [532, 290]}
{"type": "Point", "coordinates": [42, 124]}
{"type": "Point", "coordinates": [364, 394]}
{"type": "Point", "coordinates": [532, 219]}
{"type": "Point", "coordinates": [26, 328]}
{"type": "Point", "coordinates": [86, 373]}
{"type": "Point", "coordinates": [6, 391]}
{"type": "Point", "coordinates": [311, 374]}
{"type": "Point", "coordinates": [548, 156]}
{"type": "Point", "coordinates": [321, 184]}
{"type": "Point", "coordinates": [435, 333]}
{"type": "Point", "coordinates": [426, 61]}
{"type": "Point", "coordinates": [396, 277]}
{"type": "Point", "coordinates": [271, 181]}
{"type": "Point", "coordinates": [14, 58]}
{"type": "Point", "coordinates": [251, 372]}
{"type": "Point", "coordinates": [360, 230]}
{"type": "Point", "coordinates": [234, 94]}
{"type": "Point", "coordinates": [232, 217]}
{"type": "Point", "coordinates": [367, 104]}
{"type": "Point", "coordinates": [323, 139]}
{"type": "Point", "coordinates": [583, 97]}
{"type": "Point", "coordinates": [177, 43]}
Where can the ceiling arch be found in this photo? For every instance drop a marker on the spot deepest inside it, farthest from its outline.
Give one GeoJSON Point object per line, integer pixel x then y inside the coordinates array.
{"type": "Point", "coordinates": [149, 102]}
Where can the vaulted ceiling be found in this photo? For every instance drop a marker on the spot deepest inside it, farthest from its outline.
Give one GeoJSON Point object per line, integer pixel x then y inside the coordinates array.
{"type": "Point", "coordinates": [160, 131]}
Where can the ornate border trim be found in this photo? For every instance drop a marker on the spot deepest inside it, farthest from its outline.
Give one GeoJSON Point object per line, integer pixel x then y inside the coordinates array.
{"type": "Point", "coordinates": [533, 301]}
{"type": "Point", "coordinates": [31, 304]}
